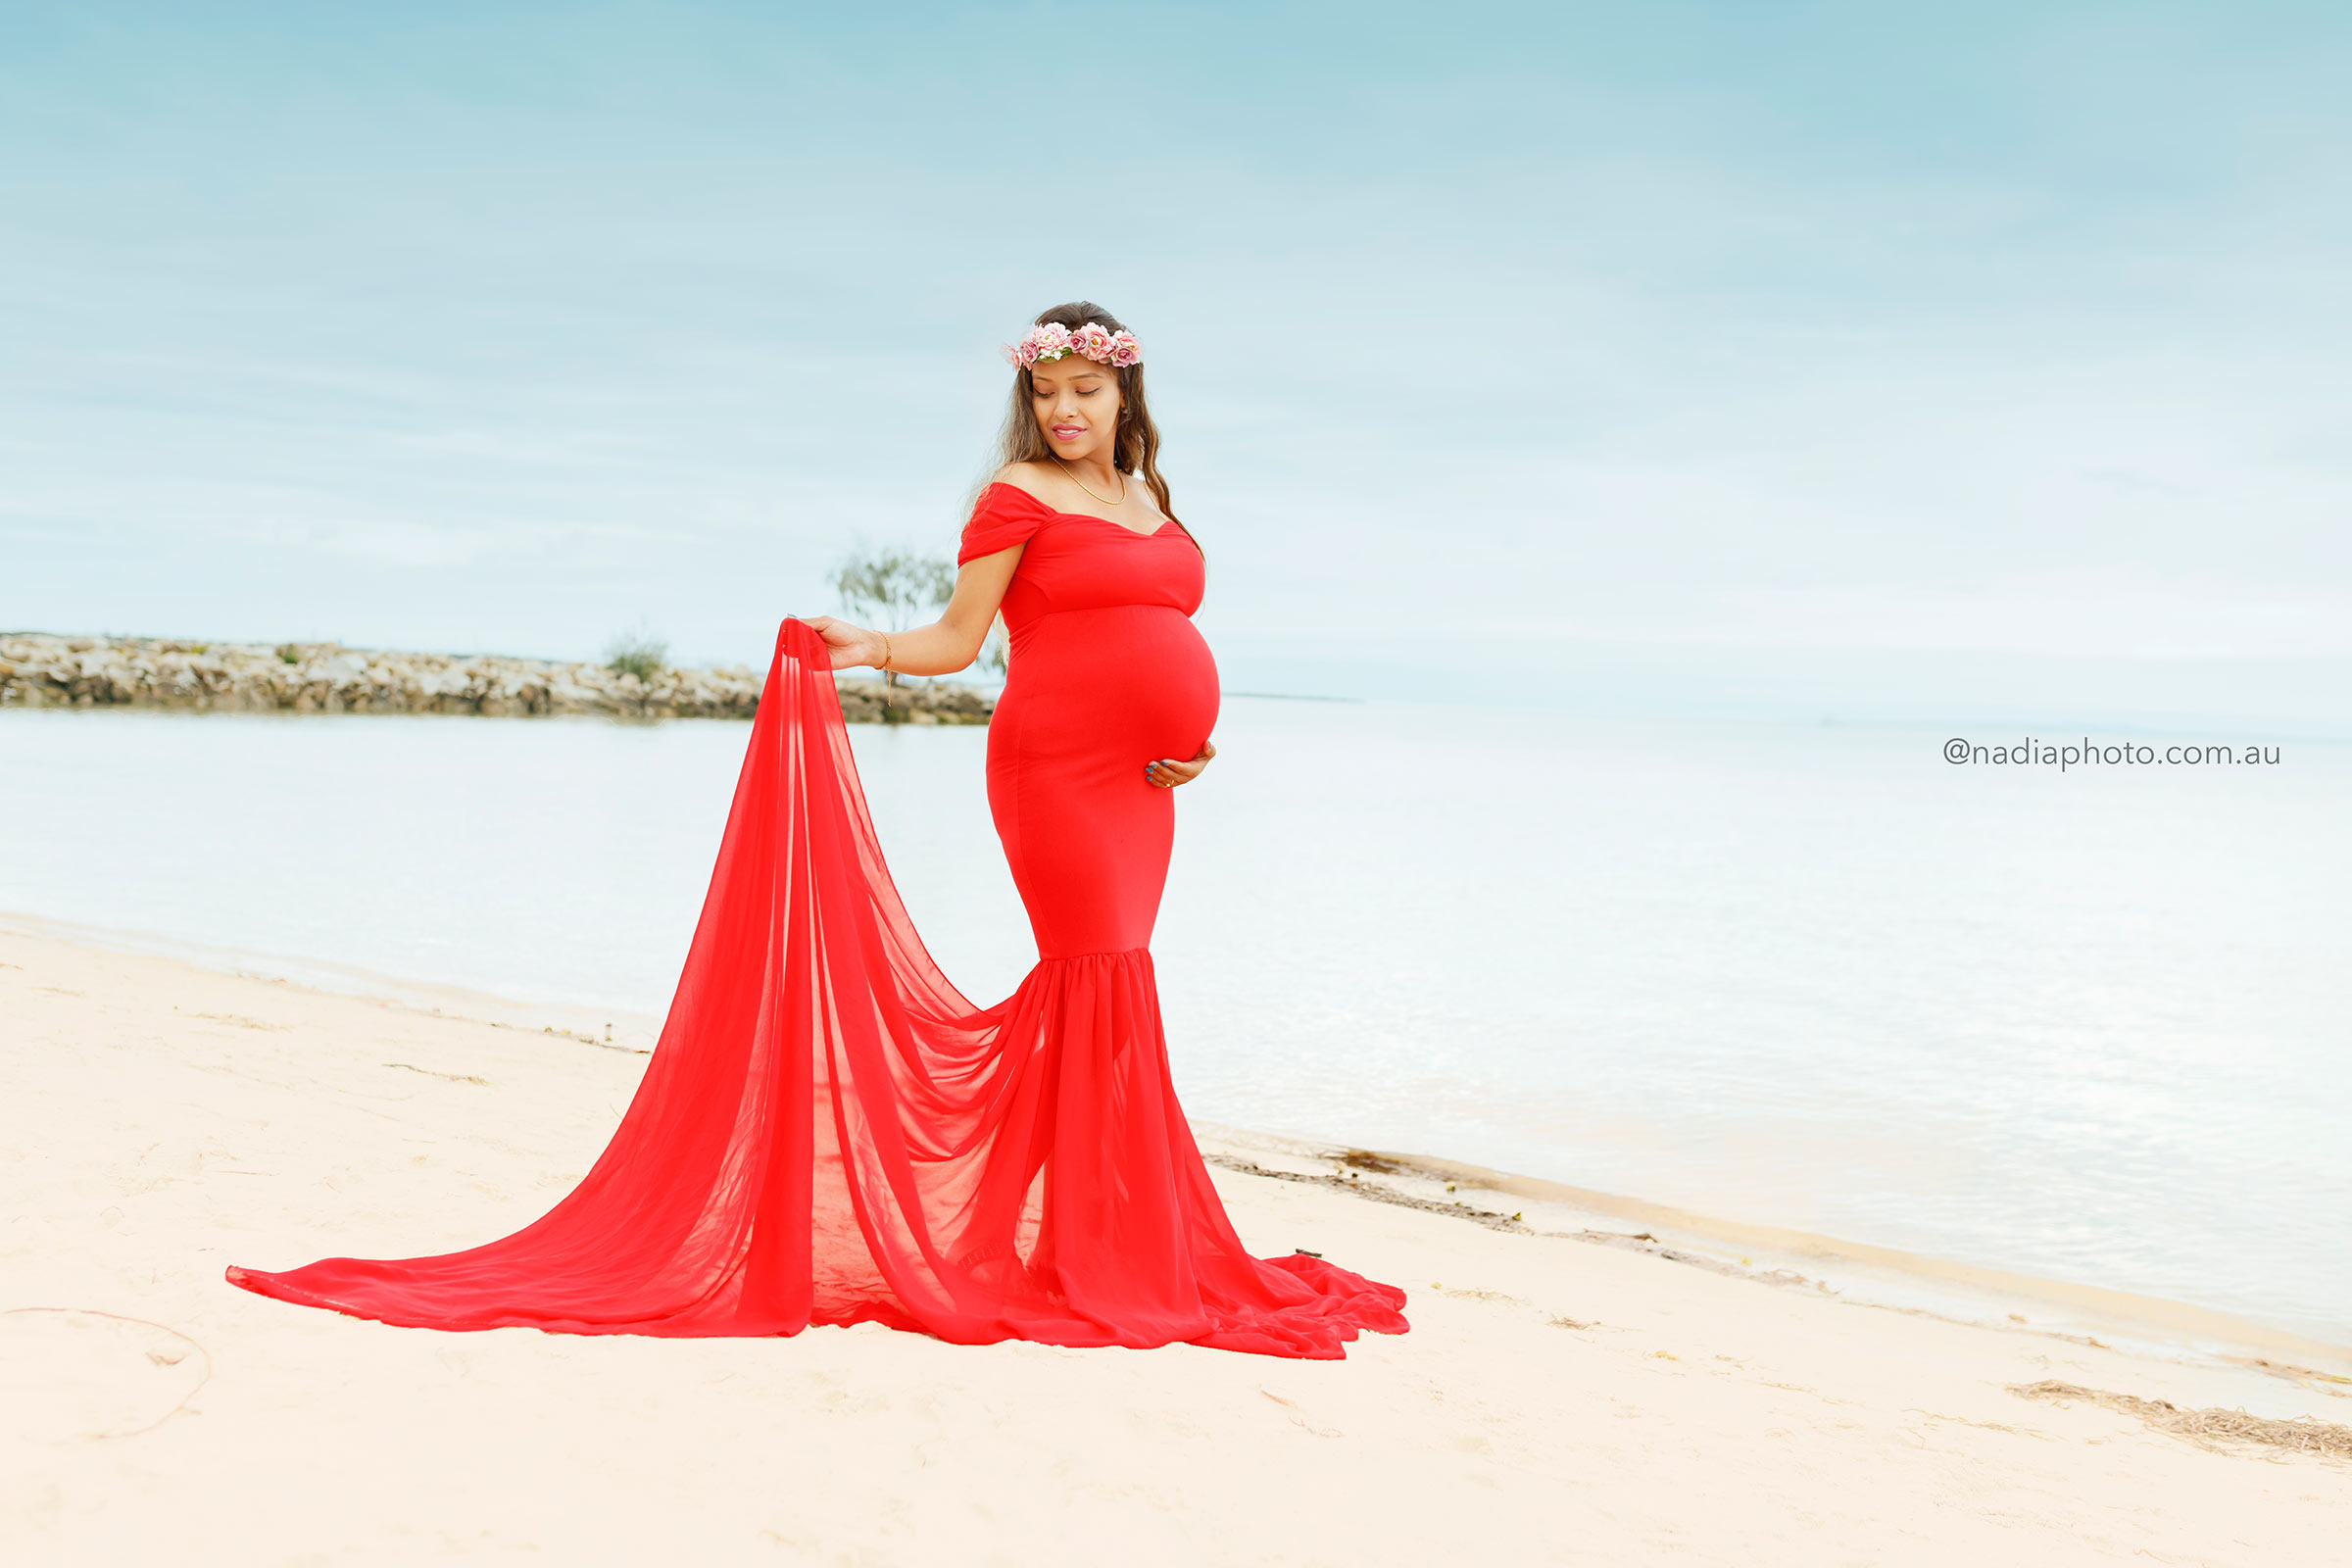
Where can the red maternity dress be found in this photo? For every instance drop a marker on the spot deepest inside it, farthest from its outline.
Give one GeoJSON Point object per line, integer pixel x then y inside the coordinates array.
{"type": "Point", "coordinates": [828, 1132]}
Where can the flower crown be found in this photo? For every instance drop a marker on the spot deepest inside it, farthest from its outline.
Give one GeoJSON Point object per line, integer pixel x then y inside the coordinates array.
{"type": "Point", "coordinates": [1093, 341]}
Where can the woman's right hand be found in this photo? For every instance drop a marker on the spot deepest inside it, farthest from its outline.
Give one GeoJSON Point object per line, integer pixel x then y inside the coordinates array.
{"type": "Point", "coordinates": [851, 645]}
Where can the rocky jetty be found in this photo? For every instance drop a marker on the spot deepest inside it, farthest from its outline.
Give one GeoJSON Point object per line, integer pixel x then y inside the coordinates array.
{"type": "Point", "coordinates": [37, 670]}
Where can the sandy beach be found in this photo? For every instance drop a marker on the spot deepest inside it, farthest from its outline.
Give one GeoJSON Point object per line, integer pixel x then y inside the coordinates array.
{"type": "Point", "coordinates": [1581, 1385]}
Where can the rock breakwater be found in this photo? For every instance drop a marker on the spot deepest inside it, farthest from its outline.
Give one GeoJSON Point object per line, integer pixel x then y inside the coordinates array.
{"type": "Point", "coordinates": [40, 671]}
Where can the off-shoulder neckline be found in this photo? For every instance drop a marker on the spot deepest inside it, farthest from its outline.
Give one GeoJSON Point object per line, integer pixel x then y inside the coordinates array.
{"type": "Point", "coordinates": [1091, 516]}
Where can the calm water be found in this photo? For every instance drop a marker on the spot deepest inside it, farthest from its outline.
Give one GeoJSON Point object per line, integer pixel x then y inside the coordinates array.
{"type": "Point", "coordinates": [2089, 1026]}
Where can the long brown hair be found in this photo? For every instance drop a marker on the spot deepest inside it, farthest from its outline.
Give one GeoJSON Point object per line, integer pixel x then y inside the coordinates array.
{"type": "Point", "coordinates": [1135, 444]}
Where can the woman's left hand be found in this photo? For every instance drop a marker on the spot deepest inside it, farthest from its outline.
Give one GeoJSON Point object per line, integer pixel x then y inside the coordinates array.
{"type": "Point", "coordinates": [1167, 775]}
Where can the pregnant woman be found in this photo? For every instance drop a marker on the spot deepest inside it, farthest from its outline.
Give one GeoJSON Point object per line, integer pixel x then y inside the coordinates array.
{"type": "Point", "coordinates": [828, 1131]}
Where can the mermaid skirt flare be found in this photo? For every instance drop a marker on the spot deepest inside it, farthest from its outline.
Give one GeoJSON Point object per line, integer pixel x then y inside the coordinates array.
{"type": "Point", "coordinates": [828, 1132]}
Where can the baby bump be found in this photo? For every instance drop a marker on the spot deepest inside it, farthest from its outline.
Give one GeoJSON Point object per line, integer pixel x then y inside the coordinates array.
{"type": "Point", "coordinates": [1129, 678]}
{"type": "Point", "coordinates": [1092, 696]}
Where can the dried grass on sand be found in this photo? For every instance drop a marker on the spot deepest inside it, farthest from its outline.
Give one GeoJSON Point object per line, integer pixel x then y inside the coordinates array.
{"type": "Point", "coordinates": [2209, 1429]}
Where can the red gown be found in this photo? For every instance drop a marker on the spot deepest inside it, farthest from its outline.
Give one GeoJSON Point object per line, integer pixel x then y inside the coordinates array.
{"type": "Point", "coordinates": [829, 1133]}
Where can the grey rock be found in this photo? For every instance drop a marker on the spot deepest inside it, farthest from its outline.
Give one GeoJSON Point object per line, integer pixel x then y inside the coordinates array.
{"type": "Point", "coordinates": [40, 671]}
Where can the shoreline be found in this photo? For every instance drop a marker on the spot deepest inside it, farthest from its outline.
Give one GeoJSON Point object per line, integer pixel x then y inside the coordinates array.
{"type": "Point", "coordinates": [1858, 1272]}
{"type": "Point", "coordinates": [1884, 1277]}
{"type": "Point", "coordinates": [1574, 1387]}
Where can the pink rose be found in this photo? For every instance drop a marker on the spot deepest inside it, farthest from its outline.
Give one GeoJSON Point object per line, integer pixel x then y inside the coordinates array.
{"type": "Point", "coordinates": [1053, 340]}
{"type": "Point", "coordinates": [1093, 341]}
{"type": "Point", "coordinates": [1123, 350]}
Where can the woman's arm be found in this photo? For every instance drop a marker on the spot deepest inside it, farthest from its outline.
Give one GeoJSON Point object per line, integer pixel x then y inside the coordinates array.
{"type": "Point", "coordinates": [949, 644]}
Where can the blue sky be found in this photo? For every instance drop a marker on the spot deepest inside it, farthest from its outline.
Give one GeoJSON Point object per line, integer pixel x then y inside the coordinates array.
{"type": "Point", "coordinates": [1970, 362]}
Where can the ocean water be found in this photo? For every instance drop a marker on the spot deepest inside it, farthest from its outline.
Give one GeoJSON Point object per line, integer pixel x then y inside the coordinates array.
{"type": "Point", "coordinates": [2089, 1025]}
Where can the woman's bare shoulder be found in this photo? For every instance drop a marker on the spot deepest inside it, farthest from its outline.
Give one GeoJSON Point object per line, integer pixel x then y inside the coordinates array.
{"type": "Point", "coordinates": [1039, 481]}
{"type": "Point", "coordinates": [1025, 476]}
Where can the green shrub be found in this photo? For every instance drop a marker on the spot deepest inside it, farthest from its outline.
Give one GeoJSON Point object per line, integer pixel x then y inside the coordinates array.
{"type": "Point", "coordinates": [636, 653]}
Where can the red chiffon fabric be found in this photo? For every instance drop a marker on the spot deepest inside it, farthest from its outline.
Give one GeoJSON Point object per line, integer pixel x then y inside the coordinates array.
{"type": "Point", "coordinates": [829, 1131]}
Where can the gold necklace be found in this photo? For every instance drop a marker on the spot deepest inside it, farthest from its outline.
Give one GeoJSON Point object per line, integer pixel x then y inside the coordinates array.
{"type": "Point", "coordinates": [1105, 500]}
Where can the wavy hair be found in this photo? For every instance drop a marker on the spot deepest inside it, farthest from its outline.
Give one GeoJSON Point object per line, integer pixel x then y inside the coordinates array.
{"type": "Point", "coordinates": [1135, 443]}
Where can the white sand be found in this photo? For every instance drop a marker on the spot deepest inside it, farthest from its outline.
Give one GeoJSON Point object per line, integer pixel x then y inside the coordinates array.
{"type": "Point", "coordinates": [1556, 1401]}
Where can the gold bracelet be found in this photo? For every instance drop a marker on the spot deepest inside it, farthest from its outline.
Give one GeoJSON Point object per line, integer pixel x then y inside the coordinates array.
{"type": "Point", "coordinates": [885, 650]}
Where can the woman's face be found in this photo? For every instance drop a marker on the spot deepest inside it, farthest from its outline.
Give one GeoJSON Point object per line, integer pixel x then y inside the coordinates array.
{"type": "Point", "coordinates": [1077, 405]}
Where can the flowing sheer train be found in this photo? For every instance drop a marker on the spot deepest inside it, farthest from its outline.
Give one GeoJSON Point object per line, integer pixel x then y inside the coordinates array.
{"type": "Point", "coordinates": [830, 1133]}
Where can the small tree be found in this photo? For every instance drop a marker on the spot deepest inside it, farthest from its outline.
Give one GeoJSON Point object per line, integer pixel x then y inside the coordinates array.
{"type": "Point", "coordinates": [893, 590]}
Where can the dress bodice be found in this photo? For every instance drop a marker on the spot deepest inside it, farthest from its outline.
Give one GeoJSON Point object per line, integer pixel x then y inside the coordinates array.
{"type": "Point", "coordinates": [1076, 560]}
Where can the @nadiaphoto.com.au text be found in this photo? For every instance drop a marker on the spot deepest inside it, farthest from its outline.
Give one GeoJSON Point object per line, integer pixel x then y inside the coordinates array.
{"type": "Point", "coordinates": [2086, 753]}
